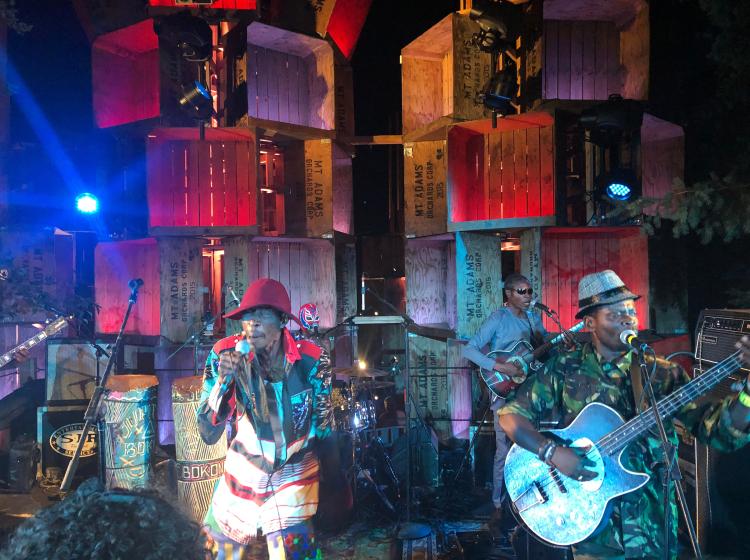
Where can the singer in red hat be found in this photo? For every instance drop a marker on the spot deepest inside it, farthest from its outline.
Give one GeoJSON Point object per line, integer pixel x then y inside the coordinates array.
{"type": "Point", "coordinates": [275, 391]}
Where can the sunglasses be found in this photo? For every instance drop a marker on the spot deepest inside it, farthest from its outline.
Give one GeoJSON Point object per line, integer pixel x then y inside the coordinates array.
{"type": "Point", "coordinates": [524, 291]}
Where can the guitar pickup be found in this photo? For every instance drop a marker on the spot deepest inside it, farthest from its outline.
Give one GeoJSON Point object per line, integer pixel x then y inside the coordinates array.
{"type": "Point", "coordinates": [533, 496]}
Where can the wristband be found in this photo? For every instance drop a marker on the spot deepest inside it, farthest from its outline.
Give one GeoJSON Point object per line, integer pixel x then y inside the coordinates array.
{"type": "Point", "coordinates": [744, 398]}
{"type": "Point", "coordinates": [549, 453]}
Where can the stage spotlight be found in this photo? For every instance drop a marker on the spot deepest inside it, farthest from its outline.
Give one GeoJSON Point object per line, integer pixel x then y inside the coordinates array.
{"type": "Point", "coordinates": [494, 33]}
{"type": "Point", "coordinates": [197, 101]}
{"type": "Point", "coordinates": [87, 203]}
{"type": "Point", "coordinates": [608, 121]}
{"type": "Point", "coordinates": [190, 35]}
{"type": "Point", "coordinates": [619, 185]}
{"type": "Point", "coordinates": [500, 91]}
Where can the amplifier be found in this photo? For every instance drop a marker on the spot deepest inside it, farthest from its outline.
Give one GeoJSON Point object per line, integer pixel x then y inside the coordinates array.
{"type": "Point", "coordinates": [58, 432]}
{"type": "Point", "coordinates": [716, 333]}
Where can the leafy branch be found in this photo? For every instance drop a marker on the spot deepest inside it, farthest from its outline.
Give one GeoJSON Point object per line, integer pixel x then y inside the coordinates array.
{"type": "Point", "coordinates": [9, 13]}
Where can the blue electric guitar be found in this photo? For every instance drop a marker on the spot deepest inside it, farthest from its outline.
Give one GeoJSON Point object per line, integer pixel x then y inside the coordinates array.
{"type": "Point", "coordinates": [563, 511]}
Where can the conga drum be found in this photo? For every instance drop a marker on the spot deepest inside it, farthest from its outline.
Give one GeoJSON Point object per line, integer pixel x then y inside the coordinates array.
{"type": "Point", "coordinates": [199, 466]}
{"type": "Point", "coordinates": [129, 430]}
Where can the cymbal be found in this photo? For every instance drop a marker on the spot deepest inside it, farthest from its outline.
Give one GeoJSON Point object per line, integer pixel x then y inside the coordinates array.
{"type": "Point", "coordinates": [372, 385]}
{"type": "Point", "coordinates": [355, 372]}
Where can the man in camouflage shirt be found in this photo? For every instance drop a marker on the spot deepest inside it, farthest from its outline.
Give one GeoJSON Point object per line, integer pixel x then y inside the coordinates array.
{"type": "Point", "coordinates": [601, 372]}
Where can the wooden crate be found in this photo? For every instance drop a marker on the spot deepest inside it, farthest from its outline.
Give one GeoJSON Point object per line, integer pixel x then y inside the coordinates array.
{"type": "Point", "coordinates": [425, 206]}
{"type": "Point", "coordinates": [568, 254]}
{"type": "Point", "coordinates": [502, 177]}
{"type": "Point", "coordinates": [202, 186]}
{"type": "Point", "coordinates": [291, 78]}
{"type": "Point", "coordinates": [305, 187]}
{"type": "Point", "coordinates": [312, 270]}
{"type": "Point", "coordinates": [170, 303]}
{"type": "Point", "coordinates": [125, 75]}
{"type": "Point", "coordinates": [441, 74]}
{"type": "Point", "coordinates": [40, 265]}
{"type": "Point", "coordinates": [431, 280]}
{"type": "Point", "coordinates": [594, 49]}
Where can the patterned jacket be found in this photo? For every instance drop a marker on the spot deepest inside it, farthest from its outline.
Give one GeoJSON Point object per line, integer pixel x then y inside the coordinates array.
{"type": "Point", "coordinates": [270, 477]}
{"type": "Point", "coordinates": [572, 380]}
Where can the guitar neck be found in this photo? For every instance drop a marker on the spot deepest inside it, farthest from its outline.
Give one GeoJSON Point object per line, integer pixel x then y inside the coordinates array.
{"type": "Point", "coordinates": [33, 341]}
{"type": "Point", "coordinates": [547, 346]}
{"type": "Point", "coordinates": [669, 406]}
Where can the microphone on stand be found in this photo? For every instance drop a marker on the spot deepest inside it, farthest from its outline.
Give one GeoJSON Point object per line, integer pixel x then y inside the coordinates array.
{"type": "Point", "coordinates": [235, 300]}
{"type": "Point", "coordinates": [630, 339]}
{"type": "Point", "coordinates": [135, 283]}
{"type": "Point", "coordinates": [541, 307]}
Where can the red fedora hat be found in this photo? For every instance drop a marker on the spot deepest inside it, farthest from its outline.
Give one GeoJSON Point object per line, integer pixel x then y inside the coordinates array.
{"type": "Point", "coordinates": [264, 292]}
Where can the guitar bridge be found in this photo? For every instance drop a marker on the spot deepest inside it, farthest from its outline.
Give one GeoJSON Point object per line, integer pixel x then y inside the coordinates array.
{"type": "Point", "coordinates": [533, 496]}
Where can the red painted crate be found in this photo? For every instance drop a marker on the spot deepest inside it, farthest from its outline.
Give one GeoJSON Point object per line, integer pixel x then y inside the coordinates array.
{"type": "Point", "coordinates": [125, 75]}
{"type": "Point", "coordinates": [568, 254]}
{"type": "Point", "coordinates": [594, 49]}
{"type": "Point", "coordinates": [202, 186]}
{"type": "Point", "coordinates": [502, 173]}
{"type": "Point", "coordinates": [214, 5]}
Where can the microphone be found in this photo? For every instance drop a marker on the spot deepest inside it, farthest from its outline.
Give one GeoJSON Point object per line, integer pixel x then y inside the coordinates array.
{"type": "Point", "coordinates": [630, 339]}
{"type": "Point", "coordinates": [541, 307]}
{"type": "Point", "coordinates": [135, 283]}
{"type": "Point", "coordinates": [234, 299]}
{"type": "Point", "coordinates": [243, 346]}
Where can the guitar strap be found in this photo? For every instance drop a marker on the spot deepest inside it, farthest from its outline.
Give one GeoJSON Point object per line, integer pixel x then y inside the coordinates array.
{"type": "Point", "coordinates": [637, 383]}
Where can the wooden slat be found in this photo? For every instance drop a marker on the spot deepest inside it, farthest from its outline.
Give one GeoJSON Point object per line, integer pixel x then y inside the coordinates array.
{"type": "Point", "coordinates": [547, 165]}
{"type": "Point", "coordinates": [159, 198]}
{"type": "Point", "coordinates": [252, 81]}
{"type": "Point", "coordinates": [549, 276]}
{"type": "Point", "coordinates": [296, 280]}
{"type": "Point", "coordinates": [495, 155]}
{"type": "Point", "coordinates": [520, 174]}
{"type": "Point", "coordinates": [563, 60]}
{"type": "Point", "coordinates": [318, 187]}
{"type": "Point", "coordinates": [550, 59]}
{"type": "Point", "coordinates": [576, 60]}
{"type": "Point", "coordinates": [179, 182]}
{"type": "Point", "coordinates": [533, 165]}
{"type": "Point", "coordinates": [242, 167]}
{"type": "Point", "coordinates": [275, 70]}
{"type": "Point", "coordinates": [263, 78]}
{"type": "Point", "coordinates": [509, 186]}
{"type": "Point", "coordinates": [614, 75]}
{"type": "Point", "coordinates": [227, 175]}
{"type": "Point", "coordinates": [292, 79]}
{"type": "Point", "coordinates": [564, 279]}
{"type": "Point", "coordinates": [589, 59]}
{"type": "Point", "coordinates": [205, 196]}
{"type": "Point", "coordinates": [602, 56]}
{"type": "Point", "coordinates": [577, 265]}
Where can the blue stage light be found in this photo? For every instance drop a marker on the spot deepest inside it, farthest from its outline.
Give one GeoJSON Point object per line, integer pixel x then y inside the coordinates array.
{"type": "Point", "coordinates": [619, 191]}
{"type": "Point", "coordinates": [87, 203]}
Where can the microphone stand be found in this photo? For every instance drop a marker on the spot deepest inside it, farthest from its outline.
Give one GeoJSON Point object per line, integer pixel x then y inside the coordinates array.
{"type": "Point", "coordinates": [92, 411]}
{"type": "Point", "coordinates": [408, 530]}
{"type": "Point", "coordinates": [671, 467]}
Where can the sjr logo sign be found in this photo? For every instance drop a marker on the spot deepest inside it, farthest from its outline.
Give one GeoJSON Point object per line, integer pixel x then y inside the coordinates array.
{"type": "Point", "coordinates": [65, 439]}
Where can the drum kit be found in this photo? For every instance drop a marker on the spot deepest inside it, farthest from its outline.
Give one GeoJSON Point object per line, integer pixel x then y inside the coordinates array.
{"type": "Point", "coordinates": [357, 397]}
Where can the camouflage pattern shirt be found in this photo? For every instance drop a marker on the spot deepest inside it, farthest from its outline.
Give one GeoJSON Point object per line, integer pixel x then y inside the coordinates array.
{"type": "Point", "coordinates": [572, 380]}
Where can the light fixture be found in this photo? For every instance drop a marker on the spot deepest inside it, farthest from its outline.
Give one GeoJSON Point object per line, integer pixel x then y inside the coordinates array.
{"type": "Point", "coordinates": [189, 35]}
{"type": "Point", "coordinates": [500, 91]}
{"type": "Point", "coordinates": [609, 121]}
{"type": "Point", "coordinates": [494, 33]}
{"type": "Point", "coordinates": [87, 203]}
{"type": "Point", "coordinates": [197, 101]}
{"type": "Point", "coordinates": [618, 185]}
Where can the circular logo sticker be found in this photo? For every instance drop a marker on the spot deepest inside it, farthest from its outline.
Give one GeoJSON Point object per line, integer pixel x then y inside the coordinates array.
{"type": "Point", "coordinates": [64, 440]}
